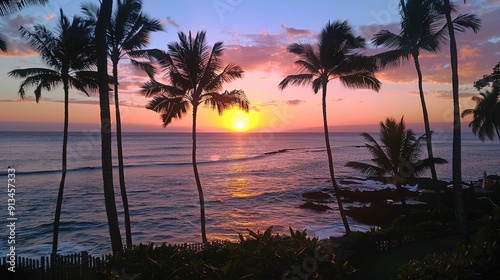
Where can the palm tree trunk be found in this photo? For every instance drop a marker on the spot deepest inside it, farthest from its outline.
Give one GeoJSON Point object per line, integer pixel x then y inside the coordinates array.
{"type": "Point", "coordinates": [457, 148]}
{"type": "Point", "coordinates": [57, 217]}
{"type": "Point", "coordinates": [123, 190]}
{"type": "Point", "coordinates": [105, 115]}
{"type": "Point", "coordinates": [428, 133]}
{"type": "Point", "coordinates": [330, 165]}
{"type": "Point", "coordinates": [197, 178]}
{"type": "Point", "coordinates": [498, 132]}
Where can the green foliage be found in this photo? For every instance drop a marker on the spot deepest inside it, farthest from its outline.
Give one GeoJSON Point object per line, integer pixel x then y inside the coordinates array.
{"type": "Point", "coordinates": [259, 255]}
{"type": "Point", "coordinates": [478, 260]}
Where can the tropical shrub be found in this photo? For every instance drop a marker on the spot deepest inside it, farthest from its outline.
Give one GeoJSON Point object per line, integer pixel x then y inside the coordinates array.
{"type": "Point", "coordinates": [479, 260]}
{"type": "Point", "coordinates": [260, 255]}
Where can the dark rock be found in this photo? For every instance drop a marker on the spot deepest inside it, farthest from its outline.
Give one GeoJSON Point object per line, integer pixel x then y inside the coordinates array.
{"type": "Point", "coordinates": [318, 196]}
{"type": "Point", "coordinates": [315, 207]}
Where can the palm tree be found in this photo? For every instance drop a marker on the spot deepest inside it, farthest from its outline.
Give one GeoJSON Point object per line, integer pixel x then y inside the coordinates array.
{"type": "Point", "coordinates": [420, 20]}
{"type": "Point", "coordinates": [397, 155]}
{"type": "Point", "coordinates": [101, 27]}
{"type": "Point", "coordinates": [486, 114]}
{"type": "Point", "coordinates": [128, 33]}
{"type": "Point", "coordinates": [457, 145]}
{"type": "Point", "coordinates": [334, 57]}
{"type": "Point", "coordinates": [11, 6]}
{"type": "Point", "coordinates": [492, 80]}
{"type": "Point", "coordinates": [69, 54]}
{"type": "Point", "coordinates": [196, 77]}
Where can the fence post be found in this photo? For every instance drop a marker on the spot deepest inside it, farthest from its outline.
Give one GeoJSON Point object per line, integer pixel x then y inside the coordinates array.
{"type": "Point", "coordinates": [85, 265]}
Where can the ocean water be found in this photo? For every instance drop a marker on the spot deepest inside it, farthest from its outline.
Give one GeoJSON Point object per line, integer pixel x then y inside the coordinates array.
{"type": "Point", "coordinates": [250, 180]}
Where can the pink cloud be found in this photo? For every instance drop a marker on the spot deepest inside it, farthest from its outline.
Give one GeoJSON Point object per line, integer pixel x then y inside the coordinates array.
{"type": "Point", "coordinates": [294, 33]}
{"type": "Point", "coordinates": [294, 102]}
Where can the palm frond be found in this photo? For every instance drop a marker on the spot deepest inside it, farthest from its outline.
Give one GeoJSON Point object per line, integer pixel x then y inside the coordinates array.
{"type": "Point", "coordinates": [299, 80]}
{"type": "Point", "coordinates": [365, 168]}
{"type": "Point", "coordinates": [419, 167]}
{"type": "Point", "coordinates": [169, 108]}
{"type": "Point", "coordinates": [144, 66]}
{"type": "Point", "coordinates": [153, 87]}
{"type": "Point", "coordinates": [86, 81]}
{"type": "Point", "coordinates": [467, 21]}
{"type": "Point", "coordinates": [361, 81]}
{"type": "Point", "coordinates": [11, 6]}
{"type": "Point", "coordinates": [3, 44]}
{"type": "Point", "coordinates": [228, 99]}
{"type": "Point", "coordinates": [387, 39]}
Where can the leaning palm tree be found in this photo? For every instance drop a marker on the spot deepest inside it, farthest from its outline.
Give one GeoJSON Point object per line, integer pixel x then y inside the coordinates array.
{"type": "Point", "coordinates": [101, 26]}
{"type": "Point", "coordinates": [421, 29]}
{"type": "Point", "coordinates": [457, 130]}
{"type": "Point", "coordinates": [335, 56]}
{"type": "Point", "coordinates": [396, 156]}
{"type": "Point", "coordinates": [195, 77]}
{"type": "Point", "coordinates": [11, 6]}
{"type": "Point", "coordinates": [486, 114]}
{"type": "Point", "coordinates": [69, 54]}
{"type": "Point", "coordinates": [128, 32]}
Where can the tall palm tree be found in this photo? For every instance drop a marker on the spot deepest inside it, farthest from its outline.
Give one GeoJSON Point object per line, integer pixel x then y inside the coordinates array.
{"type": "Point", "coordinates": [101, 27]}
{"type": "Point", "coordinates": [11, 6]}
{"type": "Point", "coordinates": [421, 29]}
{"type": "Point", "coordinates": [195, 77]}
{"type": "Point", "coordinates": [335, 56]}
{"type": "Point", "coordinates": [457, 145]}
{"type": "Point", "coordinates": [397, 156]}
{"type": "Point", "coordinates": [486, 114]}
{"type": "Point", "coordinates": [69, 53]}
{"type": "Point", "coordinates": [128, 32]}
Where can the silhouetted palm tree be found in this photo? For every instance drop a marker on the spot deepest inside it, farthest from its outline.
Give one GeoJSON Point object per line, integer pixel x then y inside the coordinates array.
{"type": "Point", "coordinates": [335, 57]}
{"type": "Point", "coordinates": [448, 9]}
{"type": "Point", "coordinates": [491, 80]}
{"type": "Point", "coordinates": [69, 53]}
{"type": "Point", "coordinates": [128, 33]}
{"type": "Point", "coordinates": [195, 77]}
{"type": "Point", "coordinates": [101, 27]}
{"type": "Point", "coordinates": [397, 155]}
{"type": "Point", "coordinates": [486, 115]}
{"type": "Point", "coordinates": [11, 6]}
{"type": "Point", "coordinates": [422, 28]}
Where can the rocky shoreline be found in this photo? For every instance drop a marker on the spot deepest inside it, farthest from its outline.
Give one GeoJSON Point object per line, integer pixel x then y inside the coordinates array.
{"type": "Point", "coordinates": [380, 206]}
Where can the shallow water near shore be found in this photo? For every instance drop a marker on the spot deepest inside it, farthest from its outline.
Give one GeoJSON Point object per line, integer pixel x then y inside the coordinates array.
{"type": "Point", "coordinates": [250, 180]}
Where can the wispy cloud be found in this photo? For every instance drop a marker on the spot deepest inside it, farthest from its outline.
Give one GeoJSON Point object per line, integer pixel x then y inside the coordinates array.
{"type": "Point", "coordinates": [17, 46]}
{"type": "Point", "coordinates": [172, 22]}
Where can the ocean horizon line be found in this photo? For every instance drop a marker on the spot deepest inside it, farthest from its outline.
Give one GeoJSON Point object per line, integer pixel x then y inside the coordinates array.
{"type": "Point", "coordinates": [131, 128]}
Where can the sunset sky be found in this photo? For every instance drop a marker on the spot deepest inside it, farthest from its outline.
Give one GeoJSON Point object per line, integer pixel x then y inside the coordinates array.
{"type": "Point", "coordinates": [255, 34]}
